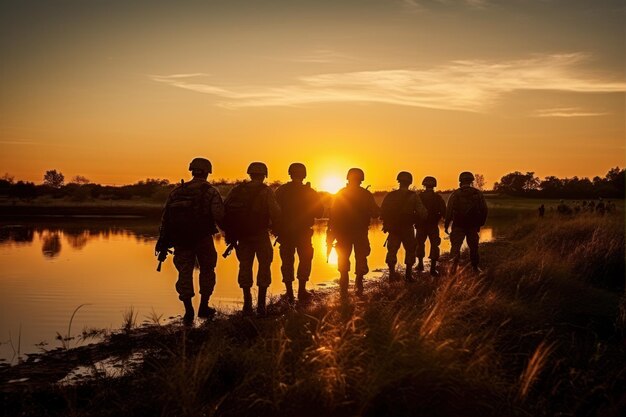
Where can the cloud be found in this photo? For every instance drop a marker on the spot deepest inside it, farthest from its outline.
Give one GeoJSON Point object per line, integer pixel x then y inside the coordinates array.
{"type": "Point", "coordinates": [469, 85]}
{"type": "Point", "coordinates": [419, 6]}
{"type": "Point", "coordinates": [566, 112]}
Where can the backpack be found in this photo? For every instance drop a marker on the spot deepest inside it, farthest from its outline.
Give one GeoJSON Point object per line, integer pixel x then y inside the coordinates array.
{"type": "Point", "coordinates": [467, 208]}
{"type": "Point", "coordinates": [397, 210]}
{"type": "Point", "coordinates": [188, 218]}
{"type": "Point", "coordinates": [244, 215]}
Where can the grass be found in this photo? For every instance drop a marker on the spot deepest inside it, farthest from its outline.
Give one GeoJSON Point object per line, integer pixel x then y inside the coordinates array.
{"type": "Point", "coordinates": [539, 333]}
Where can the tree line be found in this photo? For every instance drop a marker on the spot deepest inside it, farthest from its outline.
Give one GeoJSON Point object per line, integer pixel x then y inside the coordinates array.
{"type": "Point", "coordinates": [612, 185]}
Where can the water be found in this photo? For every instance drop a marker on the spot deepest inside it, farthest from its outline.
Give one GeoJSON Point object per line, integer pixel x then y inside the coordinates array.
{"type": "Point", "coordinates": [49, 268]}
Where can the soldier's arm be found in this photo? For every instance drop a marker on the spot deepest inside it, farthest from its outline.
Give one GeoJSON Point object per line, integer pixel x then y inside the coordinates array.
{"type": "Point", "coordinates": [274, 208]}
{"type": "Point", "coordinates": [483, 209]}
{"type": "Point", "coordinates": [420, 210]}
{"type": "Point", "coordinates": [449, 211]}
{"type": "Point", "coordinates": [217, 208]}
{"type": "Point", "coordinates": [442, 206]}
{"type": "Point", "coordinates": [374, 209]}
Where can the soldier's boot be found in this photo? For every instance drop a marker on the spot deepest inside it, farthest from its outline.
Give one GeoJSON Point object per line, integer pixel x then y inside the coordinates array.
{"type": "Point", "coordinates": [289, 291]}
{"type": "Point", "coordinates": [393, 275]}
{"type": "Point", "coordinates": [204, 311]}
{"type": "Point", "coordinates": [358, 285]}
{"type": "Point", "coordinates": [433, 268]}
{"type": "Point", "coordinates": [303, 294]}
{"type": "Point", "coordinates": [408, 274]}
{"type": "Point", "coordinates": [260, 306]}
{"type": "Point", "coordinates": [420, 265]}
{"type": "Point", "coordinates": [189, 313]}
{"type": "Point", "coordinates": [344, 280]}
{"type": "Point", "coordinates": [247, 302]}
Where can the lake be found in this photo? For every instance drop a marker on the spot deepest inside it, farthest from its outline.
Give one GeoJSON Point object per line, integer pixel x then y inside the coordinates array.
{"type": "Point", "coordinates": [52, 266]}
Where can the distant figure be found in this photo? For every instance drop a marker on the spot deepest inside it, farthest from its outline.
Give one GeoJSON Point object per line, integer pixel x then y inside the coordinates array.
{"type": "Point", "coordinates": [300, 205]}
{"type": "Point", "coordinates": [429, 227]}
{"type": "Point", "coordinates": [467, 210]}
{"type": "Point", "coordinates": [584, 205]}
{"type": "Point", "coordinates": [563, 209]}
{"type": "Point", "coordinates": [399, 211]}
{"type": "Point", "coordinates": [188, 224]}
{"type": "Point", "coordinates": [251, 210]}
{"type": "Point", "coordinates": [600, 207]}
{"type": "Point", "coordinates": [610, 207]}
{"type": "Point", "coordinates": [350, 214]}
{"type": "Point", "coordinates": [591, 206]}
{"type": "Point", "coordinates": [542, 210]}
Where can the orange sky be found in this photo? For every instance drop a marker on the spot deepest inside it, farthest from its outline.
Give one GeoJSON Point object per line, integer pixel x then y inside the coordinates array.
{"type": "Point", "coordinates": [120, 91]}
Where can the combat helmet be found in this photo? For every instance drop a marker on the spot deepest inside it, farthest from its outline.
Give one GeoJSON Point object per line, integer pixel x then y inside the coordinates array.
{"type": "Point", "coordinates": [429, 182]}
{"type": "Point", "coordinates": [257, 168]}
{"type": "Point", "coordinates": [466, 177]}
{"type": "Point", "coordinates": [201, 164]}
{"type": "Point", "coordinates": [297, 170]}
{"type": "Point", "coordinates": [356, 173]}
{"type": "Point", "coordinates": [405, 177]}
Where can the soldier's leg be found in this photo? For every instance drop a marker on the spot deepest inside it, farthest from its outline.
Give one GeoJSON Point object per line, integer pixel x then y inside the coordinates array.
{"type": "Point", "coordinates": [435, 241]}
{"type": "Point", "coordinates": [184, 261]}
{"type": "Point", "coordinates": [207, 259]}
{"type": "Point", "coordinates": [245, 255]}
{"type": "Point", "coordinates": [361, 252]}
{"type": "Point", "coordinates": [344, 249]}
{"type": "Point", "coordinates": [472, 243]}
{"type": "Point", "coordinates": [305, 259]}
{"type": "Point", "coordinates": [287, 258]}
{"type": "Point", "coordinates": [265, 255]}
{"type": "Point", "coordinates": [393, 245]}
{"type": "Point", "coordinates": [457, 235]}
{"type": "Point", "coordinates": [409, 244]}
{"type": "Point", "coordinates": [420, 250]}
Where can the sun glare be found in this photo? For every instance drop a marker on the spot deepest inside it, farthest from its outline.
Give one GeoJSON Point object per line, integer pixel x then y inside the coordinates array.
{"type": "Point", "coordinates": [332, 184]}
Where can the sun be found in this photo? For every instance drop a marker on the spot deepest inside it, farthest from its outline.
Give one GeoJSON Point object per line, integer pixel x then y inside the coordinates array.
{"type": "Point", "coordinates": [332, 184]}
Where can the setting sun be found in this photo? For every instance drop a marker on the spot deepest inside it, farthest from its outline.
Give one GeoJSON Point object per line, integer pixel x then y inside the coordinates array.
{"type": "Point", "coordinates": [332, 184]}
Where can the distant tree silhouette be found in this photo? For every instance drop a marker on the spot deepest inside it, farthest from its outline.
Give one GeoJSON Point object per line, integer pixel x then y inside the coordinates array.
{"type": "Point", "coordinates": [53, 179]}
{"type": "Point", "coordinates": [80, 180]}
{"type": "Point", "coordinates": [479, 181]}
{"type": "Point", "coordinates": [517, 183]}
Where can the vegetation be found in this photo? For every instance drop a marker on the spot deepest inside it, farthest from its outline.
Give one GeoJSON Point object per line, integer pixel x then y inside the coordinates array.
{"type": "Point", "coordinates": [540, 332]}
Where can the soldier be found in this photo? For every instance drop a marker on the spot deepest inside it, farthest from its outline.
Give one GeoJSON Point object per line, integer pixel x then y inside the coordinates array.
{"type": "Point", "coordinates": [300, 205]}
{"type": "Point", "coordinates": [188, 224]}
{"type": "Point", "coordinates": [542, 210]}
{"type": "Point", "coordinates": [399, 211]}
{"type": "Point", "coordinates": [600, 207]}
{"type": "Point", "coordinates": [350, 214]}
{"type": "Point", "coordinates": [429, 228]}
{"type": "Point", "coordinates": [251, 210]}
{"type": "Point", "coordinates": [467, 210]}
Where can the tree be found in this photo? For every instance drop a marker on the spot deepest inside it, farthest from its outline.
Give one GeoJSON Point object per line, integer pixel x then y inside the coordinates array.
{"type": "Point", "coordinates": [80, 180]}
{"type": "Point", "coordinates": [53, 178]}
{"type": "Point", "coordinates": [517, 183]}
{"type": "Point", "coordinates": [479, 181]}
{"type": "Point", "coordinates": [9, 179]}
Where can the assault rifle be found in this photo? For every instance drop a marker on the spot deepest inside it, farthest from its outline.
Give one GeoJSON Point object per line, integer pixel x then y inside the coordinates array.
{"type": "Point", "coordinates": [330, 243]}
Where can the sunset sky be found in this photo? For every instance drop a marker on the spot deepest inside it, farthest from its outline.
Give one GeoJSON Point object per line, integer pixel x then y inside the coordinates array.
{"type": "Point", "coordinates": [119, 91]}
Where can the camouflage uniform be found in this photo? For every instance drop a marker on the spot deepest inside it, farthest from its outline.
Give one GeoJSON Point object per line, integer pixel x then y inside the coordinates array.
{"type": "Point", "coordinates": [429, 227]}
{"type": "Point", "coordinates": [400, 209]}
{"type": "Point", "coordinates": [254, 240]}
{"type": "Point", "coordinates": [465, 226]}
{"type": "Point", "coordinates": [198, 246]}
{"type": "Point", "coordinates": [350, 215]}
{"type": "Point", "coordinates": [300, 205]}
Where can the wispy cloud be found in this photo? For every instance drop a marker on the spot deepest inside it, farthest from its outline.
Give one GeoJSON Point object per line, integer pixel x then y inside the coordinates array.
{"type": "Point", "coordinates": [322, 56]}
{"type": "Point", "coordinates": [566, 112]}
{"type": "Point", "coordinates": [469, 85]}
{"type": "Point", "coordinates": [419, 6]}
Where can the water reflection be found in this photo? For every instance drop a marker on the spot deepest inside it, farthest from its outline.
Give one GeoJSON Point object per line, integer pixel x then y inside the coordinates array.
{"type": "Point", "coordinates": [50, 267]}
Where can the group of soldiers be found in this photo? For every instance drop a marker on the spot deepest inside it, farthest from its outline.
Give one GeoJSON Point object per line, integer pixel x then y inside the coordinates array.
{"type": "Point", "coordinates": [599, 207]}
{"type": "Point", "coordinates": [252, 211]}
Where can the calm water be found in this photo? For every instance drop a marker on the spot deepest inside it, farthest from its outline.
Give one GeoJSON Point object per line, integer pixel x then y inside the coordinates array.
{"type": "Point", "coordinates": [51, 267]}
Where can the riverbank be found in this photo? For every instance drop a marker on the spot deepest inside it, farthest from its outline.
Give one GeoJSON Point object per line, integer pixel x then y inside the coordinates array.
{"type": "Point", "coordinates": [539, 332]}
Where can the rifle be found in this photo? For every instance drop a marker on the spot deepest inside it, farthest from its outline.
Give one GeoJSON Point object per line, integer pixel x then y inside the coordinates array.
{"type": "Point", "coordinates": [229, 249]}
{"type": "Point", "coordinates": [161, 257]}
{"type": "Point", "coordinates": [330, 243]}
{"type": "Point", "coordinates": [386, 241]}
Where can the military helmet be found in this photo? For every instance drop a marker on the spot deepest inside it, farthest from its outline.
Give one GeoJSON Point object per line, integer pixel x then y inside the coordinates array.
{"type": "Point", "coordinates": [466, 176]}
{"type": "Point", "coordinates": [404, 176]}
{"type": "Point", "coordinates": [356, 172]}
{"type": "Point", "coordinates": [430, 182]}
{"type": "Point", "coordinates": [297, 170]}
{"type": "Point", "coordinates": [201, 164]}
{"type": "Point", "coordinates": [257, 168]}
